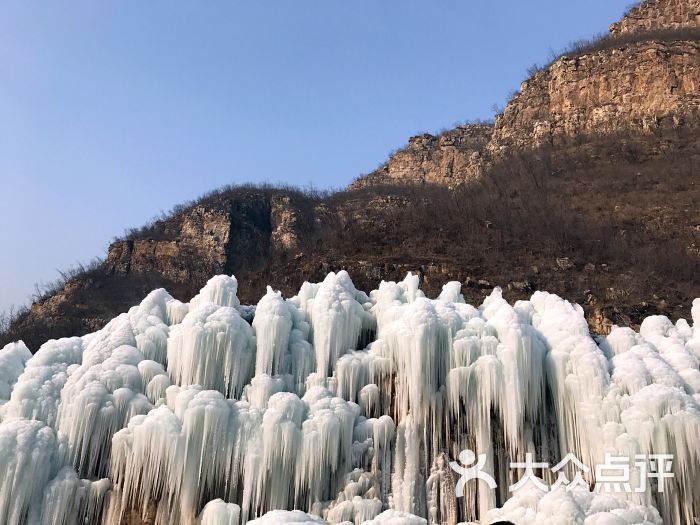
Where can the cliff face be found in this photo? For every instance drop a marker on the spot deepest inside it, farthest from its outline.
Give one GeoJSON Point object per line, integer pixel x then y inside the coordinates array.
{"type": "Point", "coordinates": [659, 14]}
{"type": "Point", "coordinates": [632, 82]}
{"type": "Point", "coordinates": [641, 88]}
{"type": "Point", "coordinates": [198, 250]}
{"type": "Point", "coordinates": [202, 242]}
{"type": "Point", "coordinates": [449, 159]}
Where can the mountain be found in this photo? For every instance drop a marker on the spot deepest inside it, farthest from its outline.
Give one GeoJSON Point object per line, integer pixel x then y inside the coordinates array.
{"type": "Point", "coordinates": [192, 406]}
{"type": "Point", "coordinates": [584, 185]}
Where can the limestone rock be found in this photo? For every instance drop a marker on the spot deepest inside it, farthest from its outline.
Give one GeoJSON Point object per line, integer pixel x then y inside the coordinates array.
{"type": "Point", "coordinates": [659, 14]}
{"type": "Point", "coordinates": [640, 87]}
{"type": "Point", "coordinates": [449, 158]}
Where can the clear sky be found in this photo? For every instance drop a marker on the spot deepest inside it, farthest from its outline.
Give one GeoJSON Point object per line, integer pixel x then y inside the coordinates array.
{"type": "Point", "coordinates": [112, 111]}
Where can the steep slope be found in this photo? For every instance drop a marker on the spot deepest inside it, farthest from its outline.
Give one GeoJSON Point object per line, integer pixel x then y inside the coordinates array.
{"type": "Point", "coordinates": [643, 79]}
{"type": "Point", "coordinates": [585, 185]}
{"type": "Point", "coordinates": [448, 159]}
{"type": "Point", "coordinates": [659, 14]}
{"type": "Point", "coordinates": [642, 88]}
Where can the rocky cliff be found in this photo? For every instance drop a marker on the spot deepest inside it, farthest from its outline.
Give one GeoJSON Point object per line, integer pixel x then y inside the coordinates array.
{"type": "Point", "coordinates": [197, 249]}
{"type": "Point", "coordinates": [449, 158]}
{"type": "Point", "coordinates": [642, 88]}
{"type": "Point", "coordinates": [641, 80]}
{"type": "Point", "coordinates": [659, 14]}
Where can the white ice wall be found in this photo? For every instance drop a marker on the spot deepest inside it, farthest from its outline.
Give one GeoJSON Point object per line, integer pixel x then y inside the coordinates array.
{"type": "Point", "coordinates": [214, 413]}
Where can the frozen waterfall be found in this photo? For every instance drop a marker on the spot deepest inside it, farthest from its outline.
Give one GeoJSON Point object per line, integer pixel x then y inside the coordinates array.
{"type": "Point", "coordinates": [337, 406]}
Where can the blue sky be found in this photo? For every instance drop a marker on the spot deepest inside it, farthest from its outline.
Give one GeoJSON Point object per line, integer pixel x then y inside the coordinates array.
{"type": "Point", "coordinates": [113, 111]}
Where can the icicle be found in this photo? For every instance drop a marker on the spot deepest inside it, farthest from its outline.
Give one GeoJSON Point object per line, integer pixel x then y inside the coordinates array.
{"type": "Point", "coordinates": [356, 510]}
{"type": "Point", "coordinates": [96, 402]}
{"type": "Point", "coordinates": [327, 437]}
{"type": "Point", "coordinates": [660, 332]}
{"type": "Point", "coordinates": [28, 458]}
{"type": "Point", "coordinates": [176, 311]}
{"type": "Point", "coordinates": [282, 441]}
{"type": "Point", "coordinates": [577, 373]}
{"type": "Point", "coordinates": [38, 389]}
{"type": "Point", "coordinates": [69, 499]}
{"type": "Point", "coordinates": [273, 325]}
{"type": "Point", "coordinates": [441, 485]}
{"type": "Point", "coordinates": [155, 379]}
{"type": "Point", "coordinates": [262, 387]}
{"type": "Point", "coordinates": [521, 353]}
{"type": "Point", "coordinates": [106, 390]}
{"type": "Point", "coordinates": [337, 318]}
{"type": "Point", "coordinates": [352, 374]}
{"type": "Point", "coordinates": [451, 293]}
{"type": "Point", "coordinates": [177, 456]}
{"type": "Point", "coordinates": [369, 399]}
{"type": "Point", "coordinates": [13, 358]}
{"type": "Point", "coordinates": [418, 345]}
{"type": "Point", "coordinates": [150, 324]}
{"type": "Point", "coordinates": [302, 357]}
{"type": "Point", "coordinates": [220, 290]}
{"type": "Point", "coordinates": [212, 347]}
{"type": "Point", "coordinates": [391, 294]}
{"type": "Point", "coordinates": [407, 480]}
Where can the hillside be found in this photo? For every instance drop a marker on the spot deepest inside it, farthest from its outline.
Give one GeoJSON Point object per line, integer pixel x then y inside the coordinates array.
{"type": "Point", "coordinates": [585, 185]}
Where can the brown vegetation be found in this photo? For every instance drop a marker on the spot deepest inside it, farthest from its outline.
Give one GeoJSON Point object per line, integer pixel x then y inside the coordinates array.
{"type": "Point", "coordinates": [608, 41]}
{"type": "Point", "coordinates": [628, 224]}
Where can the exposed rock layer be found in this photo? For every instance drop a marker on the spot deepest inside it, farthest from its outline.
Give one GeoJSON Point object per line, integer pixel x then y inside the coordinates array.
{"type": "Point", "coordinates": [634, 86]}
{"type": "Point", "coordinates": [447, 159]}
{"type": "Point", "coordinates": [641, 87]}
{"type": "Point", "coordinates": [659, 14]}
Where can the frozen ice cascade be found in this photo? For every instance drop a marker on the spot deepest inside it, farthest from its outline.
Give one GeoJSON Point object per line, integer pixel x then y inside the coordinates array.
{"type": "Point", "coordinates": [337, 406]}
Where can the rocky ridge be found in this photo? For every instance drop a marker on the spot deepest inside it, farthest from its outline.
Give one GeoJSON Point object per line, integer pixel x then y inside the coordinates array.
{"type": "Point", "coordinates": [659, 14]}
{"type": "Point", "coordinates": [642, 79]}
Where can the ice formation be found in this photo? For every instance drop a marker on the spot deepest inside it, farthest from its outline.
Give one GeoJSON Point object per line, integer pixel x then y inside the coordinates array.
{"type": "Point", "coordinates": [533, 507]}
{"type": "Point", "coordinates": [218, 512]}
{"type": "Point", "coordinates": [13, 358]}
{"type": "Point", "coordinates": [339, 407]}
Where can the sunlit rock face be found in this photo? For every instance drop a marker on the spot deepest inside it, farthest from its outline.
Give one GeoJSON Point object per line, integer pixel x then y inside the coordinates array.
{"type": "Point", "coordinates": [653, 15]}
{"type": "Point", "coordinates": [337, 406]}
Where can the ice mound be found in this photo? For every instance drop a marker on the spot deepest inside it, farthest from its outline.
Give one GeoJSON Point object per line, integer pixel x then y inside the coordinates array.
{"type": "Point", "coordinates": [533, 507]}
{"type": "Point", "coordinates": [283, 517]}
{"type": "Point", "coordinates": [13, 358]}
{"type": "Point", "coordinates": [393, 517]}
{"type": "Point", "coordinates": [218, 512]}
